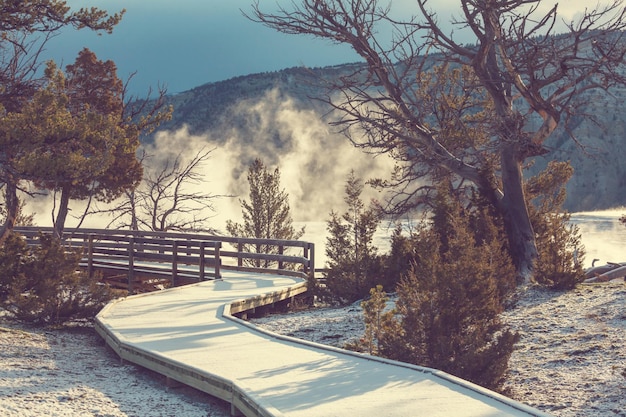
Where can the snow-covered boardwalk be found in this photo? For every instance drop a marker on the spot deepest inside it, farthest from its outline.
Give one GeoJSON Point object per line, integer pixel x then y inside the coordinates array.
{"type": "Point", "coordinates": [189, 335]}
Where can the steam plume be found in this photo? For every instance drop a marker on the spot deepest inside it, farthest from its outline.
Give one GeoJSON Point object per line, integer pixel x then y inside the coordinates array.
{"type": "Point", "coordinates": [314, 162]}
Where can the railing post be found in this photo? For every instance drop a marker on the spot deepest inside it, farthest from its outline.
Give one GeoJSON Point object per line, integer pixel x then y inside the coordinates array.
{"type": "Point", "coordinates": [131, 264]}
{"type": "Point", "coordinates": [239, 251]}
{"type": "Point", "coordinates": [281, 251]}
{"type": "Point", "coordinates": [174, 262]}
{"type": "Point", "coordinates": [312, 258]}
{"type": "Point", "coordinates": [218, 260]}
{"type": "Point", "coordinates": [202, 261]}
{"type": "Point", "coordinates": [90, 256]}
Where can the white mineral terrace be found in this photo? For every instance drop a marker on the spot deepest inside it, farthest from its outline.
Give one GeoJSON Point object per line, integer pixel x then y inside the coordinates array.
{"type": "Point", "coordinates": [189, 335]}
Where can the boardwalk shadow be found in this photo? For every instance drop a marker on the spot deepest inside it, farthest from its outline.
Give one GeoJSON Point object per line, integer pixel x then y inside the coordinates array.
{"type": "Point", "coordinates": [301, 386]}
{"type": "Point", "coordinates": [344, 382]}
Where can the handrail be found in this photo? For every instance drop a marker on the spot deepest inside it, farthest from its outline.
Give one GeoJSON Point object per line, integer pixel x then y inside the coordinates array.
{"type": "Point", "coordinates": [177, 254]}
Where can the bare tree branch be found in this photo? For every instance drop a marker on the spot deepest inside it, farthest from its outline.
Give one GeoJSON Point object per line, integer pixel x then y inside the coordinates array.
{"type": "Point", "coordinates": [168, 199]}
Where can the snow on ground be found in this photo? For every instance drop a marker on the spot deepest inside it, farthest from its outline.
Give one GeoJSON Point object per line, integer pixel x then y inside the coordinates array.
{"type": "Point", "coordinates": [571, 361]}
{"type": "Point", "coordinates": [72, 373]}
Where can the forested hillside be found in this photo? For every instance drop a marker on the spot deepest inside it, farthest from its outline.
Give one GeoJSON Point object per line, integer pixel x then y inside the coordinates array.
{"type": "Point", "coordinates": [250, 110]}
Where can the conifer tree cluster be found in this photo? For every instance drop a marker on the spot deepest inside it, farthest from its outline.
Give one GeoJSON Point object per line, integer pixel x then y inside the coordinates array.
{"type": "Point", "coordinates": [453, 275]}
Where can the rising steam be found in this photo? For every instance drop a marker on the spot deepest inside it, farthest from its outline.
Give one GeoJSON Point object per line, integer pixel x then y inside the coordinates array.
{"type": "Point", "coordinates": [314, 162]}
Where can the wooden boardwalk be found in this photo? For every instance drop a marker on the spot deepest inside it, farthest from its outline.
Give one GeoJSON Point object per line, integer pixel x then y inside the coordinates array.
{"type": "Point", "coordinates": [189, 335]}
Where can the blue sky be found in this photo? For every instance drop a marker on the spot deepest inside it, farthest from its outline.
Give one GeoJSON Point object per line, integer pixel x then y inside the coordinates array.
{"type": "Point", "coordinates": [186, 43]}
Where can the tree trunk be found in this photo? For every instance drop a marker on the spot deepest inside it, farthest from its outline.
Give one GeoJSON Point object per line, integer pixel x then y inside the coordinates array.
{"type": "Point", "coordinates": [519, 229]}
{"type": "Point", "coordinates": [134, 223]}
{"type": "Point", "coordinates": [12, 206]}
{"type": "Point", "coordinates": [59, 223]}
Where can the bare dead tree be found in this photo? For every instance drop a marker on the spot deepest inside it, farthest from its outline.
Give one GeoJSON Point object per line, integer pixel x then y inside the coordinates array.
{"type": "Point", "coordinates": [520, 69]}
{"type": "Point", "coordinates": [170, 198]}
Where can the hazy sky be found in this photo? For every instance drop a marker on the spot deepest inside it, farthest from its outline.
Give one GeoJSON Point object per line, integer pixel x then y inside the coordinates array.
{"type": "Point", "coordinates": [186, 43]}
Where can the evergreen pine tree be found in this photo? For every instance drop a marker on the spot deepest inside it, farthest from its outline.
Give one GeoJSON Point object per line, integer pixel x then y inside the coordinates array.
{"type": "Point", "coordinates": [266, 215]}
{"type": "Point", "coordinates": [353, 261]}
{"type": "Point", "coordinates": [397, 262]}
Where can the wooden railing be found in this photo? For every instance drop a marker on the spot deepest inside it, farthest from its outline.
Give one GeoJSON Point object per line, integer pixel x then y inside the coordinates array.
{"type": "Point", "coordinates": [179, 256]}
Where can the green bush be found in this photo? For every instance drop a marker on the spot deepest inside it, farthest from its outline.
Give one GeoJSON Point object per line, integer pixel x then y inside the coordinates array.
{"type": "Point", "coordinates": [397, 262]}
{"type": "Point", "coordinates": [559, 245]}
{"type": "Point", "coordinates": [447, 313]}
{"type": "Point", "coordinates": [45, 286]}
{"type": "Point", "coordinates": [377, 320]}
{"type": "Point", "coordinates": [448, 306]}
{"type": "Point", "coordinates": [14, 255]}
{"type": "Point", "coordinates": [560, 252]}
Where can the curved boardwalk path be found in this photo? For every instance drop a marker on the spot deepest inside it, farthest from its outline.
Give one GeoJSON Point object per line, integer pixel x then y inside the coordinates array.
{"type": "Point", "coordinates": [189, 335]}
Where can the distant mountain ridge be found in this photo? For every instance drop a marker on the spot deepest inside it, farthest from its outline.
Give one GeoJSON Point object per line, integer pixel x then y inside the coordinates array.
{"type": "Point", "coordinates": [207, 107]}
{"type": "Point", "coordinates": [219, 108]}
